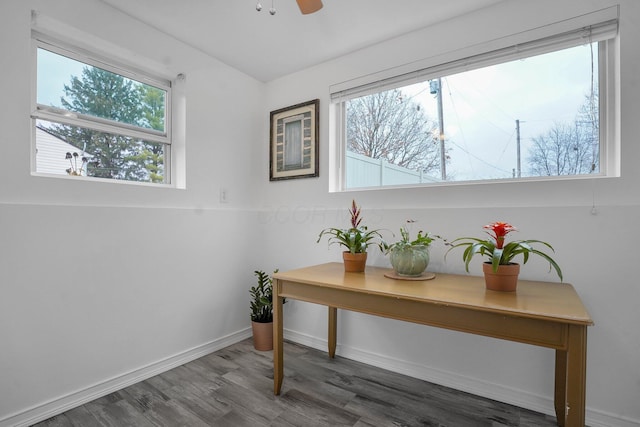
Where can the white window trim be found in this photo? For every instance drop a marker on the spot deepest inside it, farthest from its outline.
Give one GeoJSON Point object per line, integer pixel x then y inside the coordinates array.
{"type": "Point", "coordinates": [609, 97]}
{"type": "Point", "coordinates": [60, 38]}
{"type": "Point", "coordinates": [46, 112]}
{"type": "Point", "coordinates": [597, 26]}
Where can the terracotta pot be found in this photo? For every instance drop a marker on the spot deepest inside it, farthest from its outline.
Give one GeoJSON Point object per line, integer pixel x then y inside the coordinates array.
{"type": "Point", "coordinates": [262, 336]}
{"type": "Point", "coordinates": [504, 280]}
{"type": "Point", "coordinates": [354, 263]}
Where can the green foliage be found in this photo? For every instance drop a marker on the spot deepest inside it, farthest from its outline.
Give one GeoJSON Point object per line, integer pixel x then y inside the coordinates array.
{"type": "Point", "coordinates": [110, 96]}
{"type": "Point", "coordinates": [422, 239]}
{"type": "Point", "coordinates": [355, 239]}
{"type": "Point", "coordinates": [153, 109]}
{"type": "Point", "coordinates": [502, 256]}
{"type": "Point", "coordinates": [262, 298]}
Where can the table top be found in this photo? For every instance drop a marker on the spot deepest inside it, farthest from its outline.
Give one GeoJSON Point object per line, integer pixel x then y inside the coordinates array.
{"type": "Point", "coordinates": [541, 300]}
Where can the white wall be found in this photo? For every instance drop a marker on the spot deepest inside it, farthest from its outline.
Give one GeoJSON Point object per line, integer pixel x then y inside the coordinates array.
{"type": "Point", "coordinates": [597, 252]}
{"type": "Point", "coordinates": [159, 275]}
{"type": "Point", "coordinates": [167, 271]}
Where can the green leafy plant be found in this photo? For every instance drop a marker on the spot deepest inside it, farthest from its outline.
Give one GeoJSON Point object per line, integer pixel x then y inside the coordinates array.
{"type": "Point", "coordinates": [262, 298]}
{"type": "Point", "coordinates": [497, 251]}
{"type": "Point", "coordinates": [422, 239]}
{"type": "Point", "coordinates": [410, 257]}
{"type": "Point", "coordinates": [355, 239]}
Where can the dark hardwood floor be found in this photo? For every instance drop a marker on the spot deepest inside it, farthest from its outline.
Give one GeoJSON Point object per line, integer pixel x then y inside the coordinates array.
{"type": "Point", "coordinates": [234, 387]}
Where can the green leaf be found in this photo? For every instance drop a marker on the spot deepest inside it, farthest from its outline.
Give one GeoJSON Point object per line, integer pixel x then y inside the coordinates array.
{"type": "Point", "coordinates": [496, 259]}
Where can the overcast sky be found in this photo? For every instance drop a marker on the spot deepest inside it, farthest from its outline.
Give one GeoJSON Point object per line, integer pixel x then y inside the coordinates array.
{"type": "Point", "coordinates": [481, 108]}
{"type": "Point", "coordinates": [54, 71]}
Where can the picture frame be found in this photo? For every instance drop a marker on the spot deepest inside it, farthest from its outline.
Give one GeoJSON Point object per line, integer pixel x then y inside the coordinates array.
{"type": "Point", "coordinates": [293, 142]}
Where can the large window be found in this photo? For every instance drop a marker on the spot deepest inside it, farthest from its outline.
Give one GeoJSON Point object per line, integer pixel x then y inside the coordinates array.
{"type": "Point", "coordinates": [538, 109]}
{"type": "Point", "coordinates": [96, 119]}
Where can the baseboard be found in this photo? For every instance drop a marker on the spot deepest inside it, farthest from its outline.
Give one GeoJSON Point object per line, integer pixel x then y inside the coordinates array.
{"type": "Point", "coordinates": [605, 419]}
{"type": "Point", "coordinates": [512, 396]}
{"type": "Point", "coordinates": [57, 406]}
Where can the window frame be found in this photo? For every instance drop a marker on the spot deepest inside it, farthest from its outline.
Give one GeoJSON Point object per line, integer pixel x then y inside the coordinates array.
{"type": "Point", "coordinates": [600, 27]}
{"type": "Point", "coordinates": [58, 115]}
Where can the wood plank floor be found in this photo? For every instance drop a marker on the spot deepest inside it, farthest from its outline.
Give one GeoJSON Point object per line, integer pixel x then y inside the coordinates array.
{"type": "Point", "coordinates": [234, 387]}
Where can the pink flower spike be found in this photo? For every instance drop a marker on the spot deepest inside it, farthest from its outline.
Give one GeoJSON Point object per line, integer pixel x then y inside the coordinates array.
{"type": "Point", "coordinates": [355, 215]}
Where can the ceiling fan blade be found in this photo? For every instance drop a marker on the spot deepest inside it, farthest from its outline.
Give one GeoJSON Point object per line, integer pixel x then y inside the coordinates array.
{"type": "Point", "coordinates": [309, 6]}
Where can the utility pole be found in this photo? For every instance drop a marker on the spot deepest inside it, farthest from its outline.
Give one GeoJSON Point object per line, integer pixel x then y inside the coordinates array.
{"type": "Point", "coordinates": [438, 92]}
{"type": "Point", "coordinates": [518, 146]}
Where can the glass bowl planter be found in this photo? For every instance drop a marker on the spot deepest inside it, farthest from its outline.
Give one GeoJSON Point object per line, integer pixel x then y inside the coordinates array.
{"type": "Point", "coordinates": [409, 261]}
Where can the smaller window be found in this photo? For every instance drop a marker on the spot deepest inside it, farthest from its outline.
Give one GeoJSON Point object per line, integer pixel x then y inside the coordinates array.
{"type": "Point", "coordinates": [101, 120]}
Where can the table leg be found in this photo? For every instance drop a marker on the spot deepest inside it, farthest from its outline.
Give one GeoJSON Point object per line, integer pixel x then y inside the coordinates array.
{"type": "Point", "coordinates": [278, 368]}
{"type": "Point", "coordinates": [576, 376]}
{"type": "Point", "coordinates": [560, 393]}
{"type": "Point", "coordinates": [333, 328]}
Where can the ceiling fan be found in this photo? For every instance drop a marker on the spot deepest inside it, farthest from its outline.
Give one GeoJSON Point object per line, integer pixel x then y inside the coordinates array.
{"type": "Point", "coordinates": [306, 6]}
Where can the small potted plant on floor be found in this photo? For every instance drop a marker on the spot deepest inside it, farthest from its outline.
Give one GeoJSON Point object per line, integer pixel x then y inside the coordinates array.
{"type": "Point", "coordinates": [500, 272]}
{"type": "Point", "coordinates": [355, 240]}
{"type": "Point", "coordinates": [410, 258]}
{"type": "Point", "coordinates": [262, 311]}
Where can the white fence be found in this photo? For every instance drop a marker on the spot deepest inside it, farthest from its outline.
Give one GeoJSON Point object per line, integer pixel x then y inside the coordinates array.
{"type": "Point", "coordinates": [363, 171]}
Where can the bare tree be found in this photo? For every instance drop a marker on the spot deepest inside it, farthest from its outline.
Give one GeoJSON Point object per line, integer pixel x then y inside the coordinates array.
{"type": "Point", "coordinates": [387, 125]}
{"type": "Point", "coordinates": [589, 120]}
{"type": "Point", "coordinates": [568, 149]}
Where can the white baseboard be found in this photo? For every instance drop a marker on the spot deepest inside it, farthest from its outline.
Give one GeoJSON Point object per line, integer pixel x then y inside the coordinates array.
{"type": "Point", "coordinates": [516, 397]}
{"type": "Point", "coordinates": [57, 406]}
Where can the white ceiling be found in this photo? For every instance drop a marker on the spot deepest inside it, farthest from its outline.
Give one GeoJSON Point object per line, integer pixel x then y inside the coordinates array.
{"type": "Point", "coordinates": [267, 47]}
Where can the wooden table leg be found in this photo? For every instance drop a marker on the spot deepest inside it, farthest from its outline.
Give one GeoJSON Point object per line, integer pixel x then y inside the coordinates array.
{"type": "Point", "coordinates": [560, 393]}
{"type": "Point", "coordinates": [333, 328]}
{"type": "Point", "coordinates": [278, 368]}
{"type": "Point", "coordinates": [576, 376]}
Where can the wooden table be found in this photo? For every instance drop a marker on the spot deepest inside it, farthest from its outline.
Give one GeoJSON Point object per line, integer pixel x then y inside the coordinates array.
{"type": "Point", "coordinates": [538, 313]}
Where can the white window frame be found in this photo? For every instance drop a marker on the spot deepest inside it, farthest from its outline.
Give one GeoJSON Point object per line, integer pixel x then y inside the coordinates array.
{"type": "Point", "coordinates": [600, 26]}
{"type": "Point", "coordinates": [58, 115]}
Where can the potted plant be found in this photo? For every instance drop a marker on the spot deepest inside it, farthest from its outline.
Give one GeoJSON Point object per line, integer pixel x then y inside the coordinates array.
{"type": "Point", "coordinates": [74, 170]}
{"type": "Point", "coordinates": [262, 311]}
{"type": "Point", "coordinates": [408, 257]}
{"type": "Point", "coordinates": [355, 240]}
{"type": "Point", "coordinates": [501, 255]}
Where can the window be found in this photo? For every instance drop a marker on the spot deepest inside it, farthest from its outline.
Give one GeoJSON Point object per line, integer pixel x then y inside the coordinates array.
{"type": "Point", "coordinates": [98, 119]}
{"type": "Point", "coordinates": [537, 109]}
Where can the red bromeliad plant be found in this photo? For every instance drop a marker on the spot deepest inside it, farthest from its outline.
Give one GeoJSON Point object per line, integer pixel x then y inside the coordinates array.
{"type": "Point", "coordinates": [355, 239]}
{"type": "Point", "coordinates": [497, 251]}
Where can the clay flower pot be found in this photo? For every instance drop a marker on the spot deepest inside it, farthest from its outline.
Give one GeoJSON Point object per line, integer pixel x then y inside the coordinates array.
{"type": "Point", "coordinates": [262, 336]}
{"type": "Point", "coordinates": [503, 280]}
{"type": "Point", "coordinates": [354, 263]}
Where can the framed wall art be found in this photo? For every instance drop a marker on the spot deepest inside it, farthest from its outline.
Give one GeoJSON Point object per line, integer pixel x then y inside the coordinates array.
{"type": "Point", "coordinates": [293, 143]}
